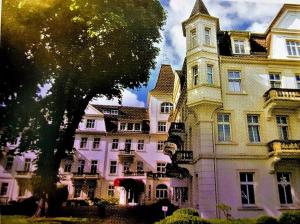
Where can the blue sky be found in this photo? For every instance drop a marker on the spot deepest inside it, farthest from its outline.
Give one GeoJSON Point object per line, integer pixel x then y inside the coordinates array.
{"type": "Point", "coordinates": [252, 15]}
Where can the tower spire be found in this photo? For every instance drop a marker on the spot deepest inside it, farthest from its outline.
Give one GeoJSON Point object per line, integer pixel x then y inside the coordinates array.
{"type": "Point", "coordinates": [199, 7]}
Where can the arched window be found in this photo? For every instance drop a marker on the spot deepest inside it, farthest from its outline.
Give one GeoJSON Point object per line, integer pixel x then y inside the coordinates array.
{"type": "Point", "coordinates": [166, 107]}
{"type": "Point", "coordinates": [161, 191]}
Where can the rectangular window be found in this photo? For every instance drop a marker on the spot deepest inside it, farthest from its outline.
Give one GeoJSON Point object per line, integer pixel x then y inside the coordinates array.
{"type": "Point", "coordinates": [114, 112]}
{"type": "Point", "coordinates": [207, 35]}
{"type": "Point", "coordinates": [160, 145]}
{"type": "Point", "coordinates": [195, 75]}
{"type": "Point", "coordinates": [126, 167]}
{"type": "Point", "coordinates": [96, 143]}
{"type": "Point", "coordinates": [193, 35]}
{"type": "Point", "coordinates": [9, 162]}
{"type": "Point", "coordinates": [130, 127]}
{"type": "Point", "coordinates": [209, 74]}
{"type": "Point", "coordinates": [4, 188]}
{"type": "Point", "coordinates": [91, 190]}
{"type": "Point", "coordinates": [140, 166]}
{"type": "Point", "coordinates": [94, 166]}
{"type": "Point", "coordinates": [68, 166]}
{"type": "Point", "coordinates": [298, 81]}
{"type": "Point", "coordinates": [161, 167]}
{"type": "Point", "coordinates": [234, 81]}
{"type": "Point", "coordinates": [239, 47]}
{"type": "Point", "coordinates": [282, 126]}
{"type": "Point", "coordinates": [253, 128]}
{"type": "Point", "coordinates": [293, 48]}
{"type": "Point", "coordinates": [140, 144]}
{"type": "Point", "coordinates": [123, 126]}
{"type": "Point", "coordinates": [111, 191]}
{"type": "Point", "coordinates": [27, 164]}
{"type": "Point", "coordinates": [284, 188]}
{"type": "Point", "coordinates": [127, 144]}
{"type": "Point", "coordinates": [224, 129]}
{"type": "Point", "coordinates": [115, 144]}
{"type": "Point", "coordinates": [83, 143]}
{"type": "Point", "coordinates": [137, 126]}
{"type": "Point", "coordinates": [77, 190]}
{"type": "Point", "coordinates": [90, 123]}
{"type": "Point", "coordinates": [113, 167]}
{"type": "Point", "coordinates": [181, 194]}
{"type": "Point", "coordinates": [275, 81]}
{"type": "Point", "coordinates": [80, 168]}
{"type": "Point", "coordinates": [247, 188]}
{"type": "Point", "coordinates": [162, 126]}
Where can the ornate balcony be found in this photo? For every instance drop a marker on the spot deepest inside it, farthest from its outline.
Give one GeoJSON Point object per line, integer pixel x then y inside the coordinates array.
{"type": "Point", "coordinates": [24, 174]}
{"type": "Point", "coordinates": [126, 155]}
{"type": "Point", "coordinates": [182, 157]}
{"type": "Point", "coordinates": [156, 175]}
{"type": "Point", "coordinates": [284, 149]}
{"type": "Point", "coordinates": [282, 98]}
{"type": "Point", "coordinates": [134, 173]}
{"type": "Point", "coordinates": [176, 127]}
{"type": "Point", "coordinates": [85, 175]}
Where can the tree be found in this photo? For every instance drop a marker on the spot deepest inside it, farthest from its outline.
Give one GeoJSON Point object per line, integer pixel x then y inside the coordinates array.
{"type": "Point", "coordinates": [80, 48]}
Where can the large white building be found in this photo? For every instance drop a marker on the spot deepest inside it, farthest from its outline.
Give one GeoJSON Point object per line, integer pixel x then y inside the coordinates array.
{"type": "Point", "coordinates": [227, 124]}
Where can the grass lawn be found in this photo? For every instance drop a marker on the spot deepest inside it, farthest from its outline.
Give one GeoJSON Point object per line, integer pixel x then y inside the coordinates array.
{"type": "Point", "coordinates": [14, 219]}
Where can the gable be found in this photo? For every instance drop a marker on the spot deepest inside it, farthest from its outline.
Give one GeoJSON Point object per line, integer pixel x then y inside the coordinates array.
{"type": "Point", "coordinates": [289, 20]}
{"type": "Point", "coordinates": [90, 110]}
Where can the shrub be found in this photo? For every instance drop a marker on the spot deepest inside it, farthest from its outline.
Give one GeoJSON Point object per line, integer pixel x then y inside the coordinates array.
{"type": "Point", "coordinates": [183, 219]}
{"type": "Point", "coordinates": [266, 220]}
{"type": "Point", "coordinates": [290, 218]}
{"type": "Point", "coordinates": [188, 211]}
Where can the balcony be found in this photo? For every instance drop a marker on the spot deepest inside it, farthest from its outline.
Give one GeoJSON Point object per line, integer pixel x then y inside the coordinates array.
{"type": "Point", "coordinates": [85, 175]}
{"type": "Point", "coordinates": [276, 98]}
{"type": "Point", "coordinates": [24, 174]}
{"type": "Point", "coordinates": [284, 149]}
{"type": "Point", "coordinates": [156, 175]}
{"type": "Point", "coordinates": [182, 157]}
{"type": "Point", "coordinates": [134, 173]}
{"type": "Point", "coordinates": [176, 127]}
{"type": "Point", "coordinates": [126, 155]}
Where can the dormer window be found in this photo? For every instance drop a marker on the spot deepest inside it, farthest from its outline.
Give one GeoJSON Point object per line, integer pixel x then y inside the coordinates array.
{"type": "Point", "coordinates": [239, 47]}
{"type": "Point", "coordinates": [293, 47]}
{"type": "Point", "coordinates": [207, 36]}
{"type": "Point", "coordinates": [130, 127]}
{"type": "Point", "coordinates": [166, 107]}
{"type": "Point", "coordinates": [90, 123]}
{"type": "Point", "coordinates": [110, 111]}
{"type": "Point", "coordinates": [193, 38]}
{"type": "Point", "coordinates": [114, 112]}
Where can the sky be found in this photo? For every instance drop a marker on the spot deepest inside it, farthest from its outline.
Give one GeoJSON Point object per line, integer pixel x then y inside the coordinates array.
{"type": "Point", "coordinates": [251, 15]}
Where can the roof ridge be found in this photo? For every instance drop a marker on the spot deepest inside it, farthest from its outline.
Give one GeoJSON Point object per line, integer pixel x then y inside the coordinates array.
{"type": "Point", "coordinates": [199, 7]}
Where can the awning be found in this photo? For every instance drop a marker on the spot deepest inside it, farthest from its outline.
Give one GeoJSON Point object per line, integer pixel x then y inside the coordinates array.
{"type": "Point", "coordinates": [130, 184]}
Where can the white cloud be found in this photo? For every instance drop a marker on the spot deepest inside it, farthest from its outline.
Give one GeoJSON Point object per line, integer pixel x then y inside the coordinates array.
{"type": "Point", "coordinates": [128, 99]}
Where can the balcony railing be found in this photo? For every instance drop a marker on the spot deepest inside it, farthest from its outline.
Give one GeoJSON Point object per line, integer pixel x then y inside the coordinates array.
{"type": "Point", "coordinates": [183, 157]}
{"type": "Point", "coordinates": [85, 175]}
{"type": "Point", "coordinates": [134, 173]}
{"type": "Point", "coordinates": [156, 175]}
{"type": "Point", "coordinates": [288, 148]}
{"type": "Point", "coordinates": [24, 174]}
{"type": "Point", "coordinates": [125, 152]}
{"type": "Point", "coordinates": [177, 127]}
{"type": "Point", "coordinates": [282, 94]}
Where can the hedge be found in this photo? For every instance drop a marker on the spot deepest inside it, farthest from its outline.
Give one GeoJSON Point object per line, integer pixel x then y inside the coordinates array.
{"type": "Point", "coordinates": [187, 211]}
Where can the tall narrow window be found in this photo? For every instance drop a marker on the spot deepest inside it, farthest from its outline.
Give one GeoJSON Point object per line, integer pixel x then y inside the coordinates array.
{"type": "Point", "coordinates": [234, 81]}
{"type": "Point", "coordinates": [160, 145]}
{"type": "Point", "coordinates": [137, 126]}
{"type": "Point", "coordinates": [239, 47]}
{"type": "Point", "coordinates": [224, 130]}
{"type": "Point", "coordinates": [96, 143]}
{"type": "Point", "coordinates": [161, 167]}
{"type": "Point", "coordinates": [123, 126]}
{"type": "Point", "coordinates": [115, 144]}
{"type": "Point", "coordinates": [111, 191]}
{"type": "Point", "coordinates": [275, 81]}
{"type": "Point", "coordinates": [83, 143]}
{"type": "Point", "coordinates": [90, 123]}
{"type": "Point", "coordinates": [80, 168]}
{"type": "Point", "coordinates": [282, 125]}
{"type": "Point", "coordinates": [193, 38]}
{"type": "Point", "coordinates": [77, 189]}
{"type": "Point", "coordinates": [162, 126]}
{"type": "Point", "coordinates": [113, 167]}
{"type": "Point", "coordinates": [141, 144]}
{"type": "Point", "coordinates": [253, 128]}
{"type": "Point", "coordinates": [94, 166]}
{"type": "Point", "coordinates": [68, 166]}
{"type": "Point", "coordinates": [91, 189]}
{"type": "Point", "coordinates": [298, 81]}
{"type": "Point", "coordinates": [126, 167]}
{"type": "Point", "coordinates": [140, 166]}
{"type": "Point", "coordinates": [207, 35]}
{"type": "Point", "coordinates": [4, 189]}
{"type": "Point", "coordinates": [209, 74]}
{"type": "Point", "coordinates": [195, 75]}
{"type": "Point", "coordinates": [293, 48]}
{"type": "Point", "coordinates": [127, 145]}
{"type": "Point", "coordinates": [27, 164]}
{"type": "Point", "coordinates": [284, 188]}
{"type": "Point", "coordinates": [247, 188]}
{"type": "Point", "coordinates": [9, 162]}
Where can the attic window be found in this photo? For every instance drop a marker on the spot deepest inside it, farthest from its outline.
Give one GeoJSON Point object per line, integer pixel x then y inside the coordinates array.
{"type": "Point", "coordinates": [111, 111]}
{"type": "Point", "coordinates": [239, 47]}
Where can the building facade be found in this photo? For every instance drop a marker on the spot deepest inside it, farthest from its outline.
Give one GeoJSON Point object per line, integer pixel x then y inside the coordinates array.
{"type": "Point", "coordinates": [225, 129]}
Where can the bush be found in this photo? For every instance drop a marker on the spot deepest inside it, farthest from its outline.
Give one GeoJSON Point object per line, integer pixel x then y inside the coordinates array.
{"type": "Point", "coordinates": [183, 219]}
{"type": "Point", "coordinates": [290, 218]}
{"type": "Point", "coordinates": [266, 220]}
{"type": "Point", "coordinates": [188, 211]}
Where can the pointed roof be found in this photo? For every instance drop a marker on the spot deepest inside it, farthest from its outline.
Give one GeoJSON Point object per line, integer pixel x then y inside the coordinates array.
{"type": "Point", "coordinates": [165, 80]}
{"type": "Point", "coordinates": [199, 7]}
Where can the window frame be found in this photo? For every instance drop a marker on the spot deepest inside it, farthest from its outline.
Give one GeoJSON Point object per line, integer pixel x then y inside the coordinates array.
{"type": "Point", "coordinates": [160, 145]}
{"type": "Point", "coordinates": [285, 185]}
{"type": "Point", "coordinates": [195, 75]}
{"type": "Point", "coordinates": [115, 144]}
{"type": "Point", "coordinates": [161, 167]}
{"type": "Point", "coordinates": [239, 46]}
{"type": "Point", "coordinates": [207, 36]}
{"type": "Point", "coordinates": [140, 166]}
{"type": "Point", "coordinates": [234, 80]}
{"type": "Point", "coordinates": [96, 144]}
{"type": "Point", "coordinates": [9, 163]}
{"type": "Point", "coordinates": [161, 191]}
{"type": "Point", "coordinates": [161, 126]}
{"type": "Point", "coordinates": [193, 38]}
{"type": "Point", "coordinates": [6, 189]}
{"type": "Point", "coordinates": [83, 144]}
{"type": "Point", "coordinates": [94, 166]}
{"type": "Point", "coordinates": [223, 123]}
{"type": "Point", "coordinates": [273, 79]}
{"type": "Point", "coordinates": [209, 74]}
{"type": "Point", "coordinates": [293, 48]}
{"type": "Point", "coordinates": [27, 164]}
{"type": "Point", "coordinates": [166, 107]}
{"type": "Point", "coordinates": [111, 191]}
{"type": "Point", "coordinates": [281, 125]}
{"type": "Point", "coordinates": [254, 124]}
{"type": "Point", "coordinates": [111, 167]}
{"type": "Point", "coordinates": [141, 145]}
{"type": "Point", "coordinates": [90, 123]}
{"type": "Point", "coordinates": [297, 78]}
{"type": "Point", "coordinates": [247, 183]}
